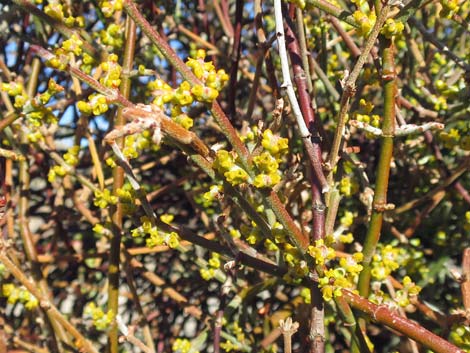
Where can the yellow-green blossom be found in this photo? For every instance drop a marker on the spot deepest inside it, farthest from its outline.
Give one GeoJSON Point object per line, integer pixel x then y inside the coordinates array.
{"type": "Point", "coordinates": [274, 144]}
{"type": "Point", "coordinates": [320, 252]}
{"type": "Point", "coordinates": [101, 320]}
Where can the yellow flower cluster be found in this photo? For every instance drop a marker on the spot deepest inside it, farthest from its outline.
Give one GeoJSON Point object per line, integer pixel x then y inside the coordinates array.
{"type": "Point", "coordinates": [453, 138]}
{"type": "Point", "coordinates": [267, 163]}
{"type": "Point", "coordinates": [209, 272]}
{"type": "Point", "coordinates": [112, 72]}
{"type": "Point", "coordinates": [392, 28]}
{"type": "Point", "coordinates": [215, 192]}
{"type": "Point", "coordinates": [109, 7]}
{"type": "Point", "coordinates": [348, 186]}
{"type": "Point", "coordinates": [274, 144]}
{"type": "Point", "coordinates": [335, 280]}
{"type": "Point", "coordinates": [127, 197]}
{"type": "Point", "coordinates": [34, 110]}
{"type": "Point", "coordinates": [213, 80]}
{"type": "Point", "coordinates": [225, 164]}
{"type": "Point", "coordinates": [154, 236]}
{"type": "Point", "coordinates": [87, 63]}
{"type": "Point", "coordinates": [364, 21]}
{"type": "Point", "coordinates": [449, 7]}
{"type": "Point", "coordinates": [184, 95]}
{"type": "Point", "coordinates": [103, 198]}
{"type": "Point", "coordinates": [364, 115]}
{"type": "Point", "coordinates": [56, 10]}
{"type": "Point", "coordinates": [16, 294]}
{"type": "Point", "coordinates": [183, 345]}
{"type": "Point", "coordinates": [137, 142]}
{"type": "Point", "coordinates": [97, 104]}
{"type": "Point", "coordinates": [234, 344]}
{"type": "Point", "coordinates": [321, 252]}
{"type": "Point", "coordinates": [386, 260]}
{"type": "Point", "coordinates": [409, 290]}
{"type": "Point", "coordinates": [73, 45]}
{"type": "Point", "coordinates": [70, 158]}
{"type": "Point", "coordinates": [101, 320]}
{"type": "Point", "coordinates": [112, 35]}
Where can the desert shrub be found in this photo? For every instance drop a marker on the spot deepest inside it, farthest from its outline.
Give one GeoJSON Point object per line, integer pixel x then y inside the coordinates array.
{"type": "Point", "coordinates": [235, 176]}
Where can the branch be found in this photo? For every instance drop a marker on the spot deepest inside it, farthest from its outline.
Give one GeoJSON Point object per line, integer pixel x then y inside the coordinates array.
{"type": "Point", "coordinates": [287, 85]}
{"type": "Point", "coordinates": [382, 314]}
{"type": "Point", "coordinates": [52, 312]}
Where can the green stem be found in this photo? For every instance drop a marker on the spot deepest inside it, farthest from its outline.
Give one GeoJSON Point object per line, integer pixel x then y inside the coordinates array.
{"type": "Point", "coordinates": [383, 168]}
{"type": "Point", "coordinates": [118, 177]}
{"type": "Point", "coordinates": [349, 90]}
{"type": "Point", "coordinates": [358, 342]}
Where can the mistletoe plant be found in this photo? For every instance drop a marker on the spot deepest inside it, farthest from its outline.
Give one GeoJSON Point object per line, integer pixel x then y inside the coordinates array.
{"type": "Point", "coordinates": [235, 176]}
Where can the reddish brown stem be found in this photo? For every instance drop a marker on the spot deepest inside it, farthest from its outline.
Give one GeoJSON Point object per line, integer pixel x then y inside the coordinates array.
{"type": "Point", "coordinates": [382, 314]}
{"type": "Point", "coordinates": [317, 325]}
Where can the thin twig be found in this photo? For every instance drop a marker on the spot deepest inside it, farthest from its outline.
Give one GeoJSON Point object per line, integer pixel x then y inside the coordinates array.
{"type": "Point", "coordinates": [348, 91]}
{"type": "Point", "coordinates": [44, 302]}
{"type": "Point", "coordinates": [288, 328]}
{"type": "Point", "coordinates": [287, 85]}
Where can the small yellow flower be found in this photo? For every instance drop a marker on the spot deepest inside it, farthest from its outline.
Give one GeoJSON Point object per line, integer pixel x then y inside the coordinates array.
{"type": "Point", "coordinates": [274, 144]}
{"type": "Point", "coordinates": [236, 175]}
{"type": "Point", "coordinates": [167, 218]}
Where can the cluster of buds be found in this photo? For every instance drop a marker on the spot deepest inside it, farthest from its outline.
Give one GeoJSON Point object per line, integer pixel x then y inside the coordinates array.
{"type": "Point", "coordinates": [408, 291]}
{"type": "Point", "coordinates": [364, 21]}
{"type": "Point", "coordinates": [103, 198]}
{"type": "Point", "coordinates": [112, 72]}
{"type": "Point", "coordinates": [183, 345]}
{"type": "Point", "coordinates": [238, 335]}
{"type": "Point", "coordinates": [336, 278]}
{"type": "Point", "coordinates": [386, 260]}
{"type": "Point", "coordinates": [112, 35]}
{"type": "Point", "coordinates": [212, 80]}
{"type": "Point", "coordinates": [56, 10]}
{"type": "Point", "coordinates": [334, 281]}
{"type": "Point", "coordinates": [97, 104]}
{"type": "Point", "coordinates": [70, 159]}
{"type": "Point", "coordinates": [109, 7]}
{"type": "Point", "coordinates": [391, 28]}
{"type": "Point", "coordinates": [453, 138]}
{"type": "Point", "coordinates": [225, 164]}
{"type": "Point", "coordinates": [364, 114]}
{"type": "Point", "coordinates": [266, 163]}
{"type": "Point", "coordinates": [449, 7]}
{"type": "Point", "coordinates": [73, 45]}
{"type": "Point", "coordinates": [154, 236]}
{"type": "Point", "coordinates": [35, 112]}
{"type": "Point", "coordinates": [16, 294]}
{"type": "Point", "coordinates": [101, 320]}
{"type": "Point", "coordinates": [213, 266]}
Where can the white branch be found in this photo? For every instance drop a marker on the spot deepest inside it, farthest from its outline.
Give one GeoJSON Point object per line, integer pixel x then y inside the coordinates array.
{"type": "Point", "coordinates": [287, 82]}
{"type": "Point", "coordinates": [366, 127]}
{"type": "Point", "coordinates": [412, 128]}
